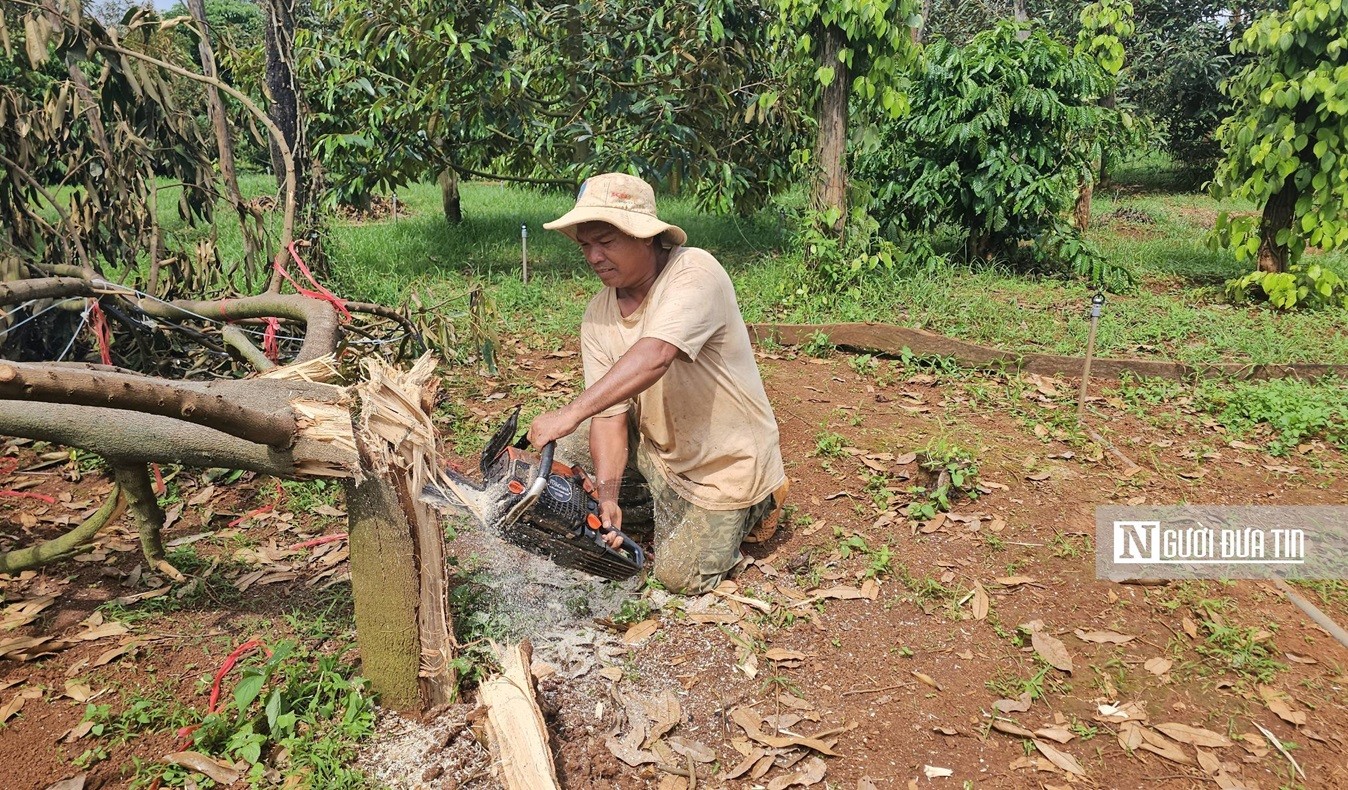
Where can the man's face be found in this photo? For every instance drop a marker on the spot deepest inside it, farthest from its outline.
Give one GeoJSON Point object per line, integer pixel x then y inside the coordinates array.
{"type": "Point", "coordinates": [619, 260]}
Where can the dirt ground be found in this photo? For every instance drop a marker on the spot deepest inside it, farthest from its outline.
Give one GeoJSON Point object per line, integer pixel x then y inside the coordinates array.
{"type": "Point", "coordinates": [861, 648]}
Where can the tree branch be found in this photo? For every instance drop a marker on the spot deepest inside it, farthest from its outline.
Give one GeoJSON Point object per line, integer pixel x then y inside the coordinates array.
{"type": "Point", "coordinates": [13, 562]}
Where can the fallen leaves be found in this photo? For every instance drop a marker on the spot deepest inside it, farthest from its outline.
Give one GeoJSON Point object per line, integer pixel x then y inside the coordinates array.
{"type": "Point", "coordinates": [1278, 702]}
{"type": "Point", "coordinates": [1100, 637]}
{"type": "Point", "coordinates": [1048, 647]}
{"type": "Point", "coordinates": [1158, 666]}
{"type": "Point", "coordinates": [1060, 758]}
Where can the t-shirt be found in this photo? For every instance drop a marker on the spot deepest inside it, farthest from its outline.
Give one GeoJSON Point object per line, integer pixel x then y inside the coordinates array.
{"type": "Point", "coordinates": [707, 422]}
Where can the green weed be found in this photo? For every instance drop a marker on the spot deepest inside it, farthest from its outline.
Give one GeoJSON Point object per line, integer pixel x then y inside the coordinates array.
{"type": "Point", "coordinates": [818, 345]}
{"type": "Point", "coordinates": [830, 445]}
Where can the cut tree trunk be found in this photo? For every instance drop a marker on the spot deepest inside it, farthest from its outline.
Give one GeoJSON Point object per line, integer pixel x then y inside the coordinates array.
{"type": "Point", "coordinates": [515, 728]}
{"type": "Point", "coordinates": [398, 574]}
{"type": "Point", "coordinates": [449, 196]}
{"type": "Point", "coordinates": [830, 151]}
{"type": "Point", "coordinates": [1278, 213]}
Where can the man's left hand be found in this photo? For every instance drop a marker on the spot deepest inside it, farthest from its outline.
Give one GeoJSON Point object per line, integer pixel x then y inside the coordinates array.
{"type": "Point", "coordinates": [551, 426]}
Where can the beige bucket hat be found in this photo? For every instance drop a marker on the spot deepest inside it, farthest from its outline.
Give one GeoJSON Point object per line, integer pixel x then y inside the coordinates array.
{"type": "Point", "coordinates": [625, 202]}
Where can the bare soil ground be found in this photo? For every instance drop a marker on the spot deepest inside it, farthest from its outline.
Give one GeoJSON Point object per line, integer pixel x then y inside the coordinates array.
{"type": "Point", "coordinates": [861, 648]}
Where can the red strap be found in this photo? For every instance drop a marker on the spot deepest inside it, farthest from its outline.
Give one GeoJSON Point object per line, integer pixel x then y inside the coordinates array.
{"type": "Point", "coordinates": [270, 347]}
{"type": "Point", "coordinates": [99, 326]}
{"type": "Point", "coordinates": [229, 662]}
{"type": "Point", "coordinates": [29, 495]}
{"type": "Point", "coordinates": [319, 291]}
{"type": "Point", "coordinates": [309, 544]}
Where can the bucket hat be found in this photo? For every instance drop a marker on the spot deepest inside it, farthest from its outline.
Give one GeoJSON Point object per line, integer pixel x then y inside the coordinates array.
{"type": "Point", "coordinates": [625, 202]}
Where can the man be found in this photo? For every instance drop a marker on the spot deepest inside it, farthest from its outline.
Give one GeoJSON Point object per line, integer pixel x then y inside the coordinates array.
{"type": "Point", "coordinates": [672, 391]}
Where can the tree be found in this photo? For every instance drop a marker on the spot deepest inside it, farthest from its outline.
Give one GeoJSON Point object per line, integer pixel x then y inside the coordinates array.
{"type": "Point", "coordinates": [993, 146]}
{"type": "Point", "coordinates": [860, 49]}
{"type": "Point", "coordinates": [686, 96]}
{"type": "Point", "coordinates": [1284, 145]}
{"type": "Point", "coordinates": [1104, 26]}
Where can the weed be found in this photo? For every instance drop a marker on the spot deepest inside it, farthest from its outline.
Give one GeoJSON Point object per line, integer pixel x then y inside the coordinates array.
{"type": "Point", "coordinates": [1067, 546]}
{"type": "Point", "coordinates": [1083, 730]}
{"type": "Point", "coordinates": [818, 345]}
{"type": "Point", "coordinates": [879, 560]}
{"type": "Point", "coordinates": [633, 610]}
{"type": "Point", "coordinates": [1010, 685]}
{"type": "Point", "coordinates": [1293, 411]}
{"type": "Point", "coordinates": [864, 365]}
{"type": "Point", "coordinates": [830, 445]}
{"type": "Point", "coordinates": [1240, 650]}
{"type": "Point", "coordinates": [956, 474]}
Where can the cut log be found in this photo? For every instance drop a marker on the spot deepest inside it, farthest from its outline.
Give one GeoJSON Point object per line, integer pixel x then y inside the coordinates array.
{"type": "Point", "coordinates": [515, 728]}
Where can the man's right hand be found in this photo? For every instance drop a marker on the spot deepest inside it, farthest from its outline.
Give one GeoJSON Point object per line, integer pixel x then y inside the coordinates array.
{"type": "Point", "coordinates": [611, 517]}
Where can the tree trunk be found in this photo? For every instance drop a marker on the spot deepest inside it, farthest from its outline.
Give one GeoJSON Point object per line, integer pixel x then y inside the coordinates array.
{"type": "Point", "coordinates": [398, 574]}
{"type": "Point", "coordinates": [449, 196]}
{"type": "Point", "coordinates": [1081, 212]}
{"type": "Point", "coordinates": [283, 95]}
{"type": "Point", "coordinates": [830, 151]}
{"type": "Point", "coordinates": [920, 32]}
{"type": "Point", "coordinates": [224, 140]}
{"type": "Point", "coordinates": [1278, 212]}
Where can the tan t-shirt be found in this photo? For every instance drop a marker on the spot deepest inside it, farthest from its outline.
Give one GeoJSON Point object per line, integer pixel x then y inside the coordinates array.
{"type": "Point", "coordinates": [707, 421]}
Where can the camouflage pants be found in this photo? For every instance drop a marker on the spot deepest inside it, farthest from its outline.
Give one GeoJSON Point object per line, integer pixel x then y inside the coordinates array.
{"type": "Point", "coordinates": [695, 548]}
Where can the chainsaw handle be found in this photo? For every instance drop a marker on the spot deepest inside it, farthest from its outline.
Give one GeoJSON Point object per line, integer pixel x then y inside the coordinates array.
{"type": "Point", "coordinates": [544, 469]}
{"type": "Point", "coordinates": [631, 547]}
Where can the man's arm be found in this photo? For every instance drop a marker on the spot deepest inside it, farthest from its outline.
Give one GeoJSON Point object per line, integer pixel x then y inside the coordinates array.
{"type": "Point", "coordinates": [608, 449]}
{"type": "Point", "coordinates": [643, 365]}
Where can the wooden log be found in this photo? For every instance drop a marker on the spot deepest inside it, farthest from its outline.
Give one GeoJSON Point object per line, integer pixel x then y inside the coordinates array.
{"type": "Point", "coordinates": [515, 728]}
{"type": "Point", "coordinates": [891, 340]}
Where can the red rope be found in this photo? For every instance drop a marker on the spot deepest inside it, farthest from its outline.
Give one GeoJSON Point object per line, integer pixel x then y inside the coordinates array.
{"type": "Point", "coordinates": [318, 291]}
{"type": "Point", "coordinates": [270, 347]}
{"type": "Point", "coordinates": [185, 733]}
{"type": "Point", "coordinates": [160, 487]}
{"type": "Point", "coordinates": [99, 326]}
{"type": "Point", "coordinates": [29, 495]}
{"type": "Point", "coordinates": [308, 544]}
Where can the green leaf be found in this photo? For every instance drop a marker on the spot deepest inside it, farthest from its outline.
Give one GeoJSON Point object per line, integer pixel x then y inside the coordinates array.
{"type": "Point", "coordinates": [248, 689]}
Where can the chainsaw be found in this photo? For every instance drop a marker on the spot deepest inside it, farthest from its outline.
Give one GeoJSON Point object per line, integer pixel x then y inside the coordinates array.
{"type": "Point", "coordinates": [538, 504]}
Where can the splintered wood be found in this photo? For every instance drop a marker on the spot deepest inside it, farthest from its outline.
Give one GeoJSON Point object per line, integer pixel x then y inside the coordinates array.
{"type": "Point", "coordinates": [515, 726]}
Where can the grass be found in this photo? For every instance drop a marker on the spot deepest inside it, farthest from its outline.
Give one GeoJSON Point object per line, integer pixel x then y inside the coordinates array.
{"type": "Point", "coordinates": [1176, 312]}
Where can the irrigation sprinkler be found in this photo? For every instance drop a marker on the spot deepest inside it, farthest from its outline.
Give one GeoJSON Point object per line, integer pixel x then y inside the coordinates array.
{"type": "Point", "coordinates": [1097, 304]}
{"type": "Point", "coordinates": [524, 253]}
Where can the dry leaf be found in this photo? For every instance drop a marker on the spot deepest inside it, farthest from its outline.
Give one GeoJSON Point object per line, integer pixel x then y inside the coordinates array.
{"type": "Point", "coordinates": [1060, 758]}
{"type": "Point", "coordinates": [1013, 581]}
{"type": "Point", "coordinates": [1190, 628]}
{"type": "Point", "coordinates": [927, 679]}
{"type": "Point", "coordinates": [1130, 736]}
{"type": "Point", "coordinates": [1279, 703]}
{"type": "Point", "coordinates": [1011, 728]}
{"type": "Point", "coordinates": [24, 612]}
{"type": "Point", "coordinates": [1059, 734]}
{"type": "Point", "coordinates": [80, 692]}
{"type": "Point", "coordinates": [1100, 637]}
{"type": "Point", "coordinates": [751, 722]}
{"type": "Point", "coordinates": [640, 631]}
{"type": "Point", "coordinates": [1209, 762]}
{"type": "Point", "coordinates": [812, 772]}
{"type": "Point", "coordinates": [778, 654]}
{"type": "Point", "coordinates": [699, 752]}
{"type": "Point", "coordinates": [980, 602]}
{"type": "Point", "coordinates": [1293, 657]}
{"type": "Point", "coordinates": [13, 707]}
{"type": "Point", "coordinates": [932, 772]}
{"type": "Point", "coordinates": [1159, 744]}
{"type": "Point", "coordinates": [1019, 705]}
{"type": "Point", "coordinates": [744, 765]}
{"type": "Point", "coordinates": [1195, 736]}
{"type": "Point", "coordinates": [614, 674]}
{"type": "Point", "coordinates": [664, 713]}
{"type": "Point", "coordinates": [75, 782]}
{"type": "Point", "coordinates": [216, 771]}
{"type": "Point", "coordinates": [1158, 666]}
{"type": "Point", "coordinates": [1052, 650]}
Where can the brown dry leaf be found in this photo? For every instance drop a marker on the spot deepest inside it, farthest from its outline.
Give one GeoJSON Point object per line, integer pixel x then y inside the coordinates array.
{"type": "Point", "coordinates": [1190, 628]}
{"type": "Point", "coordinates": [744, 765]}
{"type": "Point", "coordinates": [1278, 702]}
{"type": "Point", "coordinates": [1038, 476]}
{"type": "Point", "coordinates": [866, 783]}
{"type": "Point", "coordinates": [778, 654]}
{"type": "Point", "coordinates": [1014, 581]}
{"type": "Point", "coordinates": [19, 648]}
{"type": "Point", "coordinates": [700, 752]}
{"type": "Point", "coordinates": [1194, 736]}
{"type": "Point", "coordinates": [1209, 762]}
{"type": "Point", "coordinates": [1051, 649]}
{"type": "Point", "coordinates": [812, 772]}
{"type": "Point", "coordinates": [752, 723]}
{"type": "Point", "coordinates": [1296, 659]}
{"type": "Point", "coordinates": [1011, 728]}
{"type": "Point", "coordinates": [78, 731]}
{"type": "Point", "coordinates": [794, 702]}
{"type": "Point", "coordinates": [1156, 743]}
{"type": "Point", "coordinates": [1059, 734]}
{"type": "Point", "coordinates": [1100, 637]}
{"type": "Point", "coordinates": [75, 782]}
{"type": "Point", "coordinates": [614, 674]}
{"type": "Point", "coordinates": [714, 618]}
{"type": "Point", "coordinates": [117, 652]}
{"type": "Point", "coordinates": [99, 632]}
{"type": "Point", "coordinates": [664, 713]}
{"type": "Point", "coordinates": [640, 631]}
{"type": "Point", "coordinates": [927, 679]}
{"type": "Point", "coordinates": [215, 770]}
{"type": "Point", "coordinates": [1130, 736]}
{"type": "Point", "coordinates": [933, 525]}
{"type": "Point", "coordinates": [13, 707]}
{"type": "Point", "coordinates": [981, 602]}
{"type": "Point", "coordinates": [24, 612]}
{"type": "Point", "coordinates": [1158, 666]}
{"type": "Point", "coordinates": [1019, 705]}
{"type": "Point", "coordinates": [80, 692]}
{"type": "Point", "coordinates": [1060, 758]}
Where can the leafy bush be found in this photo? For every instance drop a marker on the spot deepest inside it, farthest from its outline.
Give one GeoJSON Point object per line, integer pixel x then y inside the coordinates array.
{"type": "Point", "coordinates": [1300, 286]}
{"type": "Point", "coordinates": [1295, 411]}
{"type": "Point", "coordinates": [1001, 133]}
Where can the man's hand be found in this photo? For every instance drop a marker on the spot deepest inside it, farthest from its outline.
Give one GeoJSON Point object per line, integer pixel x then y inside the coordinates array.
{"type": "Point", "coordinates": [611, 516]}
{"type": "Point", "coordinates": [551, 426]}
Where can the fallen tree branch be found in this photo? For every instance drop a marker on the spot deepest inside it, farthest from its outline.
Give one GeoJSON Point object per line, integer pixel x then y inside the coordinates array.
{"type": "Point", "coordinates": [515, 727]}
{"type": "Point", "coordinates": [29, 557]}
{"type": "Point", "coordinates": [186, 401]}
{"type": "Point", "coordinates": [134, 480]}
{"type": "Point", "coordinates": [236, 339]}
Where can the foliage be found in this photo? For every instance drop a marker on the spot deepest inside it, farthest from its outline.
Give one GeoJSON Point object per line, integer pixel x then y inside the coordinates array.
{"type": "Point", "coordinates": [1300, 286]}
{"type": "Point", "coordinates": [1000, 134]}
{"type": "Point", "coordinates": [1294, 411]}
{"type": "Point", "coordinates": [1178, 58]}
{"type": "Point", "coordinates": [96, 126]}
{"type": "Point", "coordinates": [954, 471]}
{"type": "Point", "coordinates": [686, 96]}
{"type": "Point", "coordinates": [293, 716]}
{"type": "Point", "coordinates": [1287, 131]}
{"type": "Point", "coordinates": [878, 43]}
